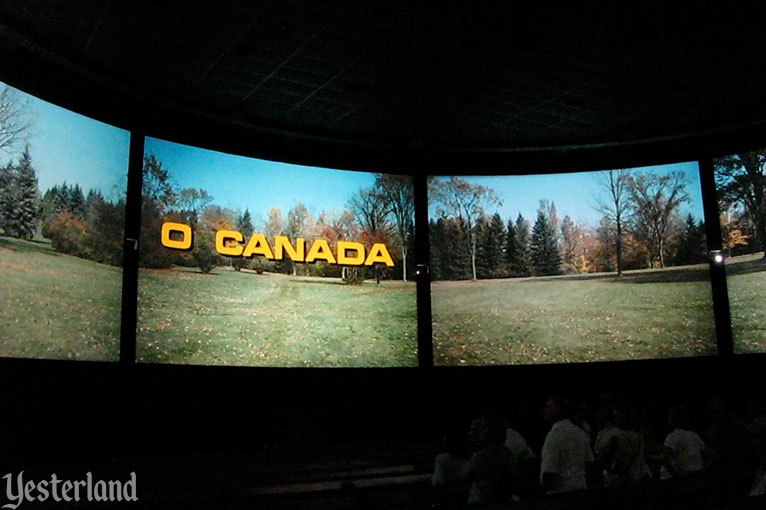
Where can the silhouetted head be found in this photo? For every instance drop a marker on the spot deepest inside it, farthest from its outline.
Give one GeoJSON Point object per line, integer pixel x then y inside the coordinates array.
{"type": "Point", "coordinates": [487, 431]}
{"type": "Point", "coordinates": [556, 408]}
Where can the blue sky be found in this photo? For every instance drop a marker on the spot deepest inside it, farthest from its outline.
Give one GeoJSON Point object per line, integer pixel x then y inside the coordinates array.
{"type": "Point", "coordinates": [239, 182]}
{"type": "Point", "coordinates": [575, 194]}
{"type": "Point", "coordinates": [66, 146]}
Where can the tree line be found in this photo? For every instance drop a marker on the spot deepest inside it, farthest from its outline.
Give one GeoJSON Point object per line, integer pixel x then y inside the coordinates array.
{"type": "Point", "coordinates": [640, 227]}
{"type": "Point", "coordinates": [87, 226]}
{"type": "Point", "coordinates": [741, 185]}
{"type": "Point", "coordinates": [383, 213]}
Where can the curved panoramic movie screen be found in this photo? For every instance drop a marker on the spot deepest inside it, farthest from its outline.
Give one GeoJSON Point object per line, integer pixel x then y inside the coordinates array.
{"type": "Point", "coordinates": [63, 179]}
{"type": "Point", "coordinates": [740, 180]}
{"type": "Point", "coordinates": [257, 263]}
{"type": "Point", "coordinates": [577, 267]}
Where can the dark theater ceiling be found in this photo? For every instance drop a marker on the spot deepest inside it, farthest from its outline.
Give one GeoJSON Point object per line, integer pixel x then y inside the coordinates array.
{"type": "Point", "coordinates": [471, 76]}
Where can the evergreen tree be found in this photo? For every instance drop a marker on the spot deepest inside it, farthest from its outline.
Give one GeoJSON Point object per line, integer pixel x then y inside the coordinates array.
{"type": "Point", "coordinates": [436, 232]}
{"type": "Point", "coordinates": [482, 230]}
{"type": "Point", "coordinates": [493, 257]}
{"type": "Point", "coordinates": [524, 264]}
{"type": "Point", "coordinates": [93, 200]}
{"type": "Point", "coordinates": [105, 230]}
{"type": "Point", "coordinates": [203, 252]}
{"type": "Point", "coordinates": [6, 202]}
{"type": "Point", "coordinates": [692, 246]}
{"type": "Point", "coordinates": [546, 259]}
{"type": "Point", "coordinates": [76, 201]}
{"type": "Point", "coordinates": [450, 256]}
{"type": "Point", "coordinates": [20, 203]}
{"type": "Point", "coordinates": [606, 234]}
{"type": "Point", "coordinates": [245, 226]}
{"type": "Point", "coordinates": [511, 250]}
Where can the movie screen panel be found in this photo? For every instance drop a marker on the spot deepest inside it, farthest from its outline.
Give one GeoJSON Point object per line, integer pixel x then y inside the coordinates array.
{"type": "Point", "coordinates": [573, 267]}
{"type": "Point", "coordinates": [741, 183]}
{"type": "Point", "coordinates": [63, 180]}
{"type": "Point", "coordinates": [258, 263]}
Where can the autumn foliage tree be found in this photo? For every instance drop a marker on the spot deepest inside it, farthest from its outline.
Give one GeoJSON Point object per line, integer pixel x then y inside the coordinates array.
{"type": "Point", "coordinates": [731, 233]}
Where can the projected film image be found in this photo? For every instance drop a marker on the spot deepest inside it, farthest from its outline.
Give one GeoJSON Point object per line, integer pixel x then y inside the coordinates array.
{"type": "Point", "coordinates": [740, 182]}
{"type": "Point", "coordinates": [257, 263]}
{"type": "Point", "coordinates": [577, 267]}
{"type": "Point", "coordinates": [63, 179]}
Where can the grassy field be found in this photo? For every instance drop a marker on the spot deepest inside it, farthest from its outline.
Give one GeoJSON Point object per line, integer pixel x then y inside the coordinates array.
{"type": "Point", "coordinates": [746, 282]}
{"type": "Point", "coordinates": [56, 306]}
{"type": "Point", "coordinates": [645, 314]}
{"type": "Point", "coordinates": [230, 318]}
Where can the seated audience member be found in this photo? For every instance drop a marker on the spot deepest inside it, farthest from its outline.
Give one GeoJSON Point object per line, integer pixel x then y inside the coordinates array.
{"type": "Point", "coordinates": [491, 469]}
{"type": "Point", "coordinates": [448, 471]}
{"type": "Point", "coordinates": [607, 429]}
{"type": "Point", "coordinates": [449, 464]}
{"type": "Point", "coordinates": [527, 463]}
{"type": "Point", "coordinates": [684, 452]}
{"type": "Point", "coordinates": [622, 455]}
{"type": "Point", "coordinates": [515, 442]}
{"type": "Point", "coordinates": [566, 451]}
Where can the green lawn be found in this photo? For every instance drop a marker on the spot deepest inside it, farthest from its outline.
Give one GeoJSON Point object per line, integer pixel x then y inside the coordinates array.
{"type": "Point", "coordinates": [62, 307]}
{"type": "Point", "coordinates": [646, 314]}
{"type": "Point", "coordinates": [56, 306]}
{"type": "Point", "coordinates": [231, 318]}
{"type": "Point", "coordinates": [746, 282]}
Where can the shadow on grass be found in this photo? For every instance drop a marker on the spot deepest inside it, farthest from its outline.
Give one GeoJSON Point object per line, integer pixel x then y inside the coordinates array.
{"type": "Point", "coordinates": [675, 275]}
{"type": "Point", "coordinates": [697, 273]}
{"type": "Point", "coordinates": [322, 281]}
{"type": "Point", "coordinates": [29, 246]}
{"type": "Point", "coordinates": [749, 267]}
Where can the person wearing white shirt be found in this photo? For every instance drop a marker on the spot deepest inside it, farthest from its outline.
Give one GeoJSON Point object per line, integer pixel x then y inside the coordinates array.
{"type": "Point", "coordinates": [684, 451]}
{"type": "Point", "coordinates": [566, 451]}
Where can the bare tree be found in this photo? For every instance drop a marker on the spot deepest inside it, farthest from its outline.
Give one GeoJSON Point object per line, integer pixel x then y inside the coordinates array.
{"type": "Point", "coordinates": [14, 119]}
{"type": "Point", "coordinates": [617, 207]}
{"type": "Point", "coordinates": [398, 193]}
{"type": "Point", "coordinates": [275, 223]}
{"type": "Point", "coordinates": [299, 224]}
{"type": "Point", "coordinates": [193, 202]}
{"type": "Point", "coordinates": [155, 186]}
{"type": "Point", "coordinates": [466, 202]}
{"type": "Point", "coordinates": [656, 199]}
{"type": "Point", "coordinates": [371, 213]}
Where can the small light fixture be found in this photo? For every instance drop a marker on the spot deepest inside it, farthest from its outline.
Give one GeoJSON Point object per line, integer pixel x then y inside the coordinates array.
{"type": "Point", "coordinates": [716, 256]}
